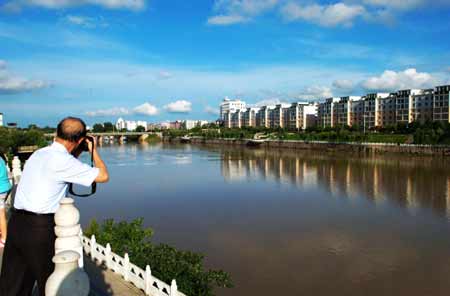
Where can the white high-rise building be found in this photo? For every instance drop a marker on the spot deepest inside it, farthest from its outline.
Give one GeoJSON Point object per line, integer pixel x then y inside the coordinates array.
{"type": "Point", "coordinates": [230, 106]}
{"type": "Point", "coordinates": [120, 124]}
{"type": "Point", "coordinates": [1, 119]}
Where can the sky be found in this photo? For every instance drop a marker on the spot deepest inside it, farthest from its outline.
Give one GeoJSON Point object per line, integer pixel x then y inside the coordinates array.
{"type": "Point", "coordinates": [159, 60]}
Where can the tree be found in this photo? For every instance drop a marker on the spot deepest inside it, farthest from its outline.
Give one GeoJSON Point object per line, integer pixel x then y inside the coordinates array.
{"type": "Point", "coordinates": [108, 127]}
{"type": "Point", "coordinates": [98, 128]}
{"type": "Point", "coordinates": [166, 262]}
{"type": "Point", "coordinates": [140, 129]}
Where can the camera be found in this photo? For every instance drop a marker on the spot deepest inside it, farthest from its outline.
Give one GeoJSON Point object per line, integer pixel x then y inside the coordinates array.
{"type": "Point", "coordinates": [84, 145]}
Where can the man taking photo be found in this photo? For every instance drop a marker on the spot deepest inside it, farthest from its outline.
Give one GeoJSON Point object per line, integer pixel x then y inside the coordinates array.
{"type": "Point", "coordinates": [30, 246]}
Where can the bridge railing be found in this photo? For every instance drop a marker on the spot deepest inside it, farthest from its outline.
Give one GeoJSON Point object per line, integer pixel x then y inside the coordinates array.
{"type": "Point", "coordinates": [142, 279]}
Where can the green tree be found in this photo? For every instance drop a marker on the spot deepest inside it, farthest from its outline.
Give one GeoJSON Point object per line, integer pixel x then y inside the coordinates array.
{"type": "Point", "coordinates": [108, 127]}
{"type": "Point", "coordinates": [140, 129]}
{"type": "Point", "coordinates": [167, 263]}
{"type": "Point", "coordinates": [98, 128]}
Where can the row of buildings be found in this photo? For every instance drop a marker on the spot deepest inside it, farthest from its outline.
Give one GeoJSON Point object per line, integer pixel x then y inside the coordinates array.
{"type": "Point", "coordinates": [178, 124]}
{"type": "Point", "coordinates": [370, 111]}
{"type": "Point", "coordinates": [130, 125]}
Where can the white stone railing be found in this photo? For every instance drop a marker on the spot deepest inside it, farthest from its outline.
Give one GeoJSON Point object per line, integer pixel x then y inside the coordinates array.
{"type": "Point", "coordinates": [129, 271]}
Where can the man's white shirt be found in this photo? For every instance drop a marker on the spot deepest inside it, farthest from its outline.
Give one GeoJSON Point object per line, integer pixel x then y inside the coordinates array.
{"type": "Point", "coordinates": [46, 176]}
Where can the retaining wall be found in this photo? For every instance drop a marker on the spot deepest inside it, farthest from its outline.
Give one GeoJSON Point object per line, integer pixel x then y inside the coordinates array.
{"type": "Point", "coordinates": [368, 148]}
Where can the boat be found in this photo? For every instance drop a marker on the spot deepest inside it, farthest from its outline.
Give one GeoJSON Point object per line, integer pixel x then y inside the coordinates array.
{"type": "Point", "coordinates": [185, 139]}
{"type": "Point", "coordinates": [255, 142]}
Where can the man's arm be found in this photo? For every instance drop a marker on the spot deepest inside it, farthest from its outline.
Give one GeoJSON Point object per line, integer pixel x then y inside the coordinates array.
{"type": "Point", "coordinates": [103, 175]}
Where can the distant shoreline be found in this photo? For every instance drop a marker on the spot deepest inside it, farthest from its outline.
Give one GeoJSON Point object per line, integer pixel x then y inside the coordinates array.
{"type": "Point", "coordinates": [353, 147]}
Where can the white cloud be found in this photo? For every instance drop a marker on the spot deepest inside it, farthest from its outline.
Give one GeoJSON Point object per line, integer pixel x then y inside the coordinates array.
{"type": "Point", "coordinates": [116, 111]}
{"type": "Point", "coordinates": [343, 84]}
{"type": "Point", "coordinates": [180, 106]}
{"type": "Point", "coordinates": [146, 109]}
{"type": "Point", "coordinates": [163, 75]}
{"type": "Point", "coordinates": [85, 21]}
{"type": "Point", "coordinates": [325, 15]}
{"type": "Point", "coordinates": [244, 7]}
{"type": "Point", "coordinates": [392, 81]}
{"type": "Point", "coordinates": [223, 20]}
{"type": "Point", "coordinates": [268, 102]}
{"type": "Point", "coordinates": [229, 12]}
{"type": "Point", "coordinates": [212, 110]}
{"type": "Point", "coordinates": [315, 92]}
{"type": "Point", "coordinates": [10, 83]}
{"type": "Point", "coordinates": [135, 5]}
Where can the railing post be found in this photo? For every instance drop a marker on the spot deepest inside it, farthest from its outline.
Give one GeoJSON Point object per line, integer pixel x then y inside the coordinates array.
{"type": "Point", "coordinates": [173, 288]}
{"type": "Point", "coordinates": [67, 278]}
{"type": "Point", "coordinates": [126, 267]}
{"type": "Point", "coordinates": [108, 256]}
{"type": "Point", "coordinates": [67, 229]}
{"type": "Point", "coordinates": [16, 169]}
{"type": "Point", "coordinates": [148, 280]}
{"type": "Point", "coordinates": [93, 246]}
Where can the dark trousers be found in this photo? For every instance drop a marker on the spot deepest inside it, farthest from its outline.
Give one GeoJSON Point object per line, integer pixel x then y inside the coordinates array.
{"type": "Point", "coordinates": [27, 257]}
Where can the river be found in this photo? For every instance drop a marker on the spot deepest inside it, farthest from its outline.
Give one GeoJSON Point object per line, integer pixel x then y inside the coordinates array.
{"type": "Point", "coordinates": [287, 222]}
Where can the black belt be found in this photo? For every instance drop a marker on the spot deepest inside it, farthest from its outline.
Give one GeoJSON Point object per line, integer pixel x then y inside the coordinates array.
{"type": "Point", "coordinates": [25, 212]}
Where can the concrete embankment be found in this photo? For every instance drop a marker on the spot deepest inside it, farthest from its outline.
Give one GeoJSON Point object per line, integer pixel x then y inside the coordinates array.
{"type": "Point", "coordinates": [366, 148]}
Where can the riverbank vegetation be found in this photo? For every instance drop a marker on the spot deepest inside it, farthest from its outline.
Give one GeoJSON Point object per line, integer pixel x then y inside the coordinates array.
{"type": "Point", "coordinates": [12, 138]}
{"type": "Point", "coordinates": [166, 262]}
{"type": "Point", "coordinates": [433, 133]}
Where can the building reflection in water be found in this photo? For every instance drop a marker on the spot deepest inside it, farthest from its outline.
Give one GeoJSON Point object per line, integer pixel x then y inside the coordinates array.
{"type": "Point", "coordinates": [410, 182]}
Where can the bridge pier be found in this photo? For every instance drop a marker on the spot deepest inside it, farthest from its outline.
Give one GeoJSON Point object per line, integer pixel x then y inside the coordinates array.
{"type": "Point", "coordinates": [143, 137]}
{"type": "Point", "coordinates": [121, 138]}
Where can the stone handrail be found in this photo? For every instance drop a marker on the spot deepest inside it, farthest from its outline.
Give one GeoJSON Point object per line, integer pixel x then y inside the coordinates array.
{"type": "Point", "coordinates": [143, 280]}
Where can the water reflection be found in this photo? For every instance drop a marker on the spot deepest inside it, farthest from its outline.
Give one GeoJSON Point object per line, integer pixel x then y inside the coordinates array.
{"type": "Point", "coordinates": [409, 182]}
{"type": "Point", "coordinates": [290, 222]}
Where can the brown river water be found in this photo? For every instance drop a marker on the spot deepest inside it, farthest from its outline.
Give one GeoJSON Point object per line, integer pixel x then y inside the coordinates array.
{"type": "Point", "coordinates": [287, 222]}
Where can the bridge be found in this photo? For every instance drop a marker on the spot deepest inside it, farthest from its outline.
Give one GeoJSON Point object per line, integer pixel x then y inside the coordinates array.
{"type": "Point", "coordinates": [120, 136]}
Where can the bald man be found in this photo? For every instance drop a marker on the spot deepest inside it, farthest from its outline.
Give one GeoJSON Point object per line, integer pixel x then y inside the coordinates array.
{"type": "Point", "coordinates": [30, 246]}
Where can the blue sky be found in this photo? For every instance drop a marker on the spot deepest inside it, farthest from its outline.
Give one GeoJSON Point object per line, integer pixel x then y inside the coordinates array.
{"type": "Point", "coordinates": [163, 60]}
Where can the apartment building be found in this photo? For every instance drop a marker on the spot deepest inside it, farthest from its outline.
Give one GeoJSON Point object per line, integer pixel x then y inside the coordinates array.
{"type": "Point", "coordinates": [249, 117]}
{"type": "Point", "coordinates": [387, 110]}
{"type": "Point", "coordinates": [236, 119]}
{"type": "Point", "coordinates": [422, 106]}
{"type": "Point", "coordinates": [371, 113]}
{"type": "Point", "coordinates": [441, 103]}
{"type": "Point", "coordinates": [263, 118]}
{"type": "Point", "coordinates": [230, 106]}
{"type": "Point", "coordinates": [277, 116]}
{"type": "Point", "coordinates": [325, 113]}
{"type": "Point", "coordinates": [301, 115]}
{"type": "Point", "coordinates": [357, 113]}
{"type": "Point", "coordinates": [342, 110]}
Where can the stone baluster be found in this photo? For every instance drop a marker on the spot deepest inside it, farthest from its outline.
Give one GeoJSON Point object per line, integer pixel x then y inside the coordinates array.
{"type": "Point", "coordinates": [173, 288]}
{"type": "Point", "coordinates": [16, 169]}
{"type": "Point", "coordinates": [68, 229]}
{"type": "Point", "coordinates": [67, 279]}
